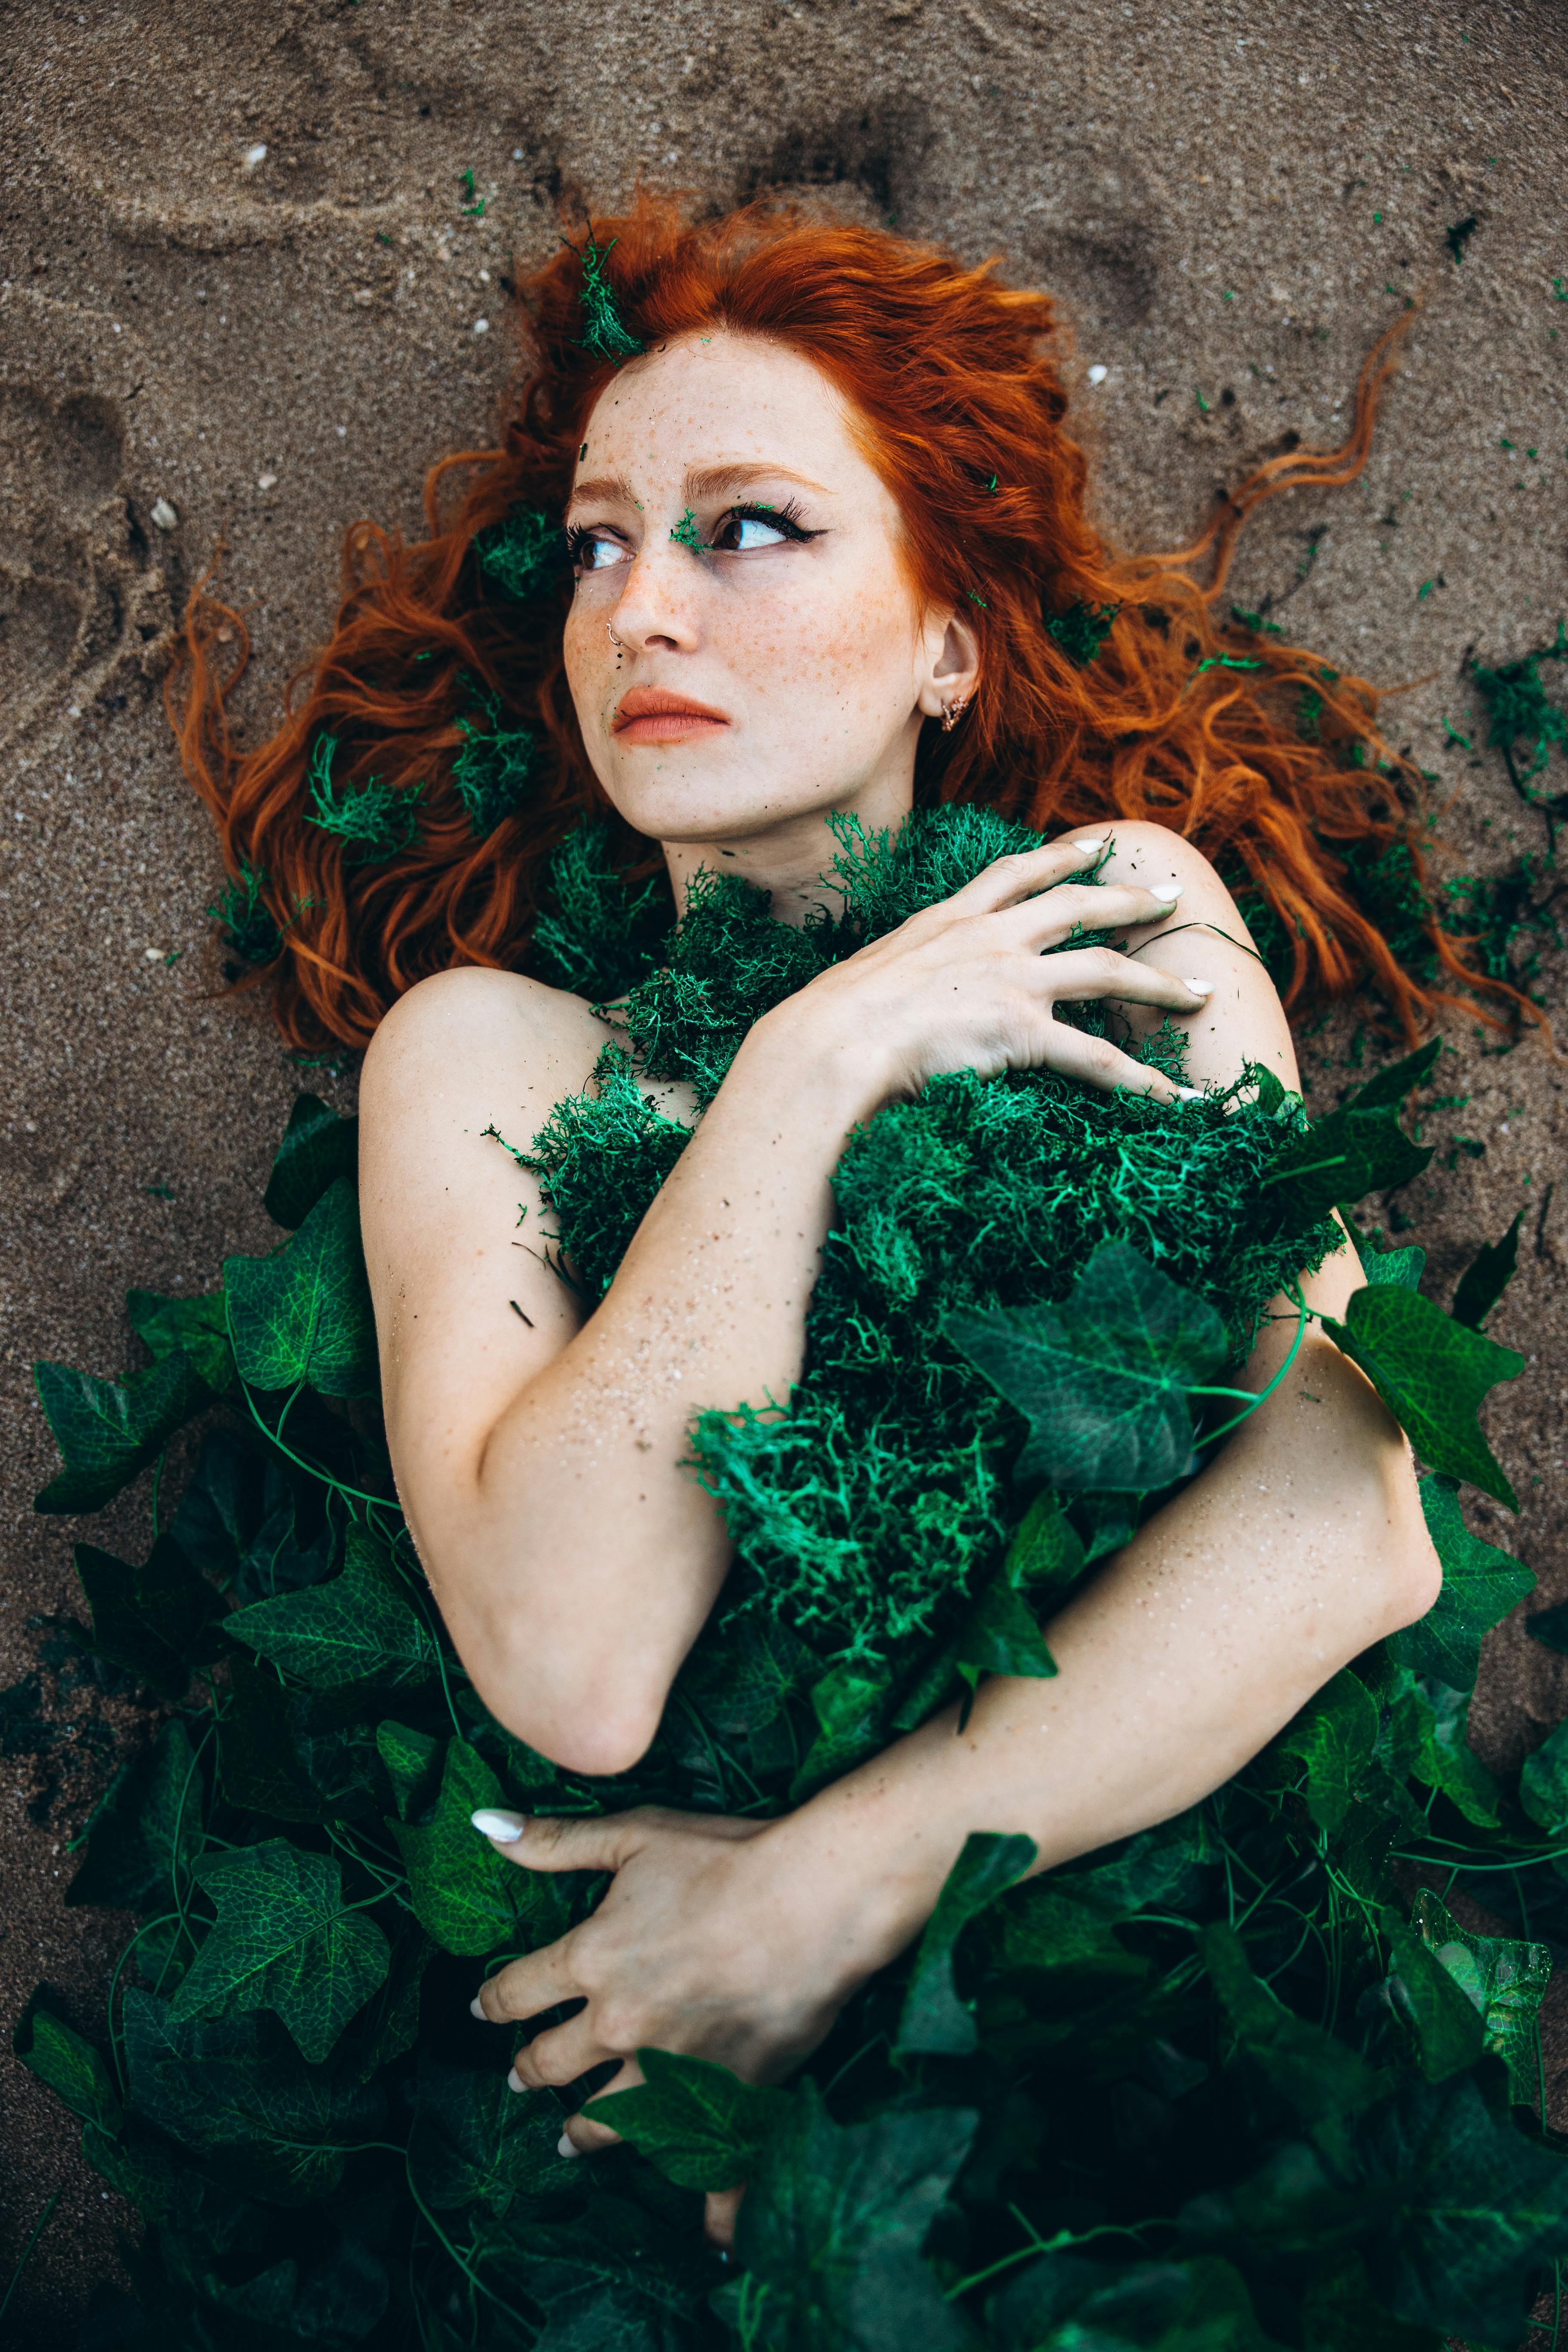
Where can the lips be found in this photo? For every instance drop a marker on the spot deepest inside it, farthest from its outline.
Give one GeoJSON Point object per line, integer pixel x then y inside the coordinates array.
{"type": "Point", "coordinates": [652, 714]}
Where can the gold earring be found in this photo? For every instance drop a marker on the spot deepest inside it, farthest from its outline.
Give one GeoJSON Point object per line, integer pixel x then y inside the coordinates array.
{"type": "Point", "coordinates": [951, 712]}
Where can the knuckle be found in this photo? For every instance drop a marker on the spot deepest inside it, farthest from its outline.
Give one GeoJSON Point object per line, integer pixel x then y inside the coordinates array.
{"type": "Point", "coordinates": [619, 2025]}
{"type": "Point", "coordinates": [551, 2064]}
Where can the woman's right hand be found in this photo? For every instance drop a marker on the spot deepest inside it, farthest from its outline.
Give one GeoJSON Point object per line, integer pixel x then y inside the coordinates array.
{"type": "Point", "coordinates": [967, 984]}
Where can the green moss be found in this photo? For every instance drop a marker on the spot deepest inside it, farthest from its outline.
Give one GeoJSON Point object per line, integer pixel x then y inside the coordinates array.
{"type": "Point", "coordinates": [524, 553]}
{"type": "Point", "coordinates": [605, 331]}
{"type": "Point", "coordinates": [1082, 629]}
{"type": "Point", "coordinates": [248, 927]}
{"type": "Point", "coordinates": [374, 823]}
{"type": "Point", "coordinates": [598, 937]}
{"type": "Point", "coordinates": [493, 766]}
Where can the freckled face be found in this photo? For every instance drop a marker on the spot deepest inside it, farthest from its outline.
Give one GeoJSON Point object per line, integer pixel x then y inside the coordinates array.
{"type": "Point", "coordinates": [728, 531]}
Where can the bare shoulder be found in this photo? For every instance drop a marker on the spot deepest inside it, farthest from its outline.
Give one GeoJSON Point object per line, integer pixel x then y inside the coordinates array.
{"type": "Point", "coordinates": [463, 1018]}
{"type": "Point", "coordinates": [1141, 851]}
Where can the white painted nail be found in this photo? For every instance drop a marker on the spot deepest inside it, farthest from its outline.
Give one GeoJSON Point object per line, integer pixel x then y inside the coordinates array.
{"type": "Point", "coordinates": [476, 2009]}
{"type": "Point", "coordinates": [514, 2081]}
{"type": "Point", "coordinates": [1167, 892]}
{"type": "Point", "coordinates": [505, 1827]}
{"type": "Point", "coordinates": [1199, 987]}
{"type": "Point", "coordinates": [1188, 1094]}
{"type": "Point", "coordinates": [567, 2146]}
{"type": "Point", "coordinates": [1088, 849]}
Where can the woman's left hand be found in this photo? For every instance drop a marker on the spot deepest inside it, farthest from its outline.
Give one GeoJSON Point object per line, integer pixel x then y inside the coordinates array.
{"type": "Point", "coordinates": [711, 1940]}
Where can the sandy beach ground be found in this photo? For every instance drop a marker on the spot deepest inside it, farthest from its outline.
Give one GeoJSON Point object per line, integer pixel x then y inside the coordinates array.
{"type": "Point", "coordinates": [242, 299]}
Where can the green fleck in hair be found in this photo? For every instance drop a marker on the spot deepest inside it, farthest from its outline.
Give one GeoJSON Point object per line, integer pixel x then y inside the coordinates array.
{"type": "Point", "coordinates": [605, 331]}
{"type": "Point", "coordinates": [374, 824]}
{"type": "Point", "coordinates": [523, 554]}
{"type": "Point", "coordinates": [490, 771]}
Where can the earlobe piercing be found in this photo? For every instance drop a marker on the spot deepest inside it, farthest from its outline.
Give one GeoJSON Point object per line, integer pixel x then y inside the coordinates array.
{"type": "Point", "coordinates": [951, 712]}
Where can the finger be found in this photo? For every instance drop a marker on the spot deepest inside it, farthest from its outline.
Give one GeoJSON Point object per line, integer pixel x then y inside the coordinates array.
{"type": "Point", "coordinates": [718, 2216]}
{"type": "Point", "coordinates": [559, 2055]}
{"type": "Point", "coordinates": [1100, 1064]}
{"type": "Point", "coordinates": [536, 1982]}
{"type": "Point", "coordinates": [1082, 975]}
{"type": "Point", "coordinates": [587, 2129]}
{"type": "Point", "coordinates": [1008, 880]}
{"type": "Point", "coordinates": [602, 1841]}
{"type": "Point", "coordinates": [1116, 906]}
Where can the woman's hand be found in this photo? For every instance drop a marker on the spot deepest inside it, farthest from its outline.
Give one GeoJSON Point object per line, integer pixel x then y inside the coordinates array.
{"type": "Point", "coordinates": [966, 984]}
{"type": "Point", "coordinates": [721, 1939]}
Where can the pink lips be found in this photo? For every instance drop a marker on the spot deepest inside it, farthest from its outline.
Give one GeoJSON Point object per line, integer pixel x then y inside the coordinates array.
{"type": "Point", "coordinates": [650, 714]}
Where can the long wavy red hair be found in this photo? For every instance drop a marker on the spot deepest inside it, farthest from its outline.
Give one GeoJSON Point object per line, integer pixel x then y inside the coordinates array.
{"type": "Point", "coordinates": [951, 379]}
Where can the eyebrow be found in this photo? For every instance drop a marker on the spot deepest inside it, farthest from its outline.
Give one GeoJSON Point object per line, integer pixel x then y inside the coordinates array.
{"type": "Point", "coordinates": [707, 482]}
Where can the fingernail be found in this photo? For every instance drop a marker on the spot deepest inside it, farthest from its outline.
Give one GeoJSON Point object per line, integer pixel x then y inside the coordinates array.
{"type": "Point", "coordinates": [1199, 987]}
{"type": "Point", "coordinates": [1188, 1094]}
{"type": "Point", "coordinates": [1167, 892]}
{"type": "Point", "coordinates": [506, 1828]}
{"type": "Point", "coordinates": [1088, 849]}
{"type": "Point", "coordinates": [514, 2081]}
{"type": "Point", "coordinates": [567, 2146]}
{"type": "Point", "coordinates": [476, 2009]}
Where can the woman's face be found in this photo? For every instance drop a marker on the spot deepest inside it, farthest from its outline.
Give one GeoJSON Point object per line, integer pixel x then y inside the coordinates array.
{"type": "Point", "coordinates": [772, 661]}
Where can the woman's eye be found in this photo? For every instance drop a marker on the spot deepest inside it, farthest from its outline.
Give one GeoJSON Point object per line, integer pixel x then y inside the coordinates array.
{"type": "Point", "coordinates": [598, 554]}
{"type": "Point", "coordinates": [738, 533]}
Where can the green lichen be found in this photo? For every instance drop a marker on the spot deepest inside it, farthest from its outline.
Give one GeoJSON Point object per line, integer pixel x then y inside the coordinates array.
{"type": "Point", "coordinates": [524, 553]}
{"type": "Point", "coordinates": [686, 534]}
{"type": "Point", "coordinates": [605, 331]}
{"type": "Point", "coordinates": [1082, 629]}
{"type": "Point", "coordinates": [248, 927]}
{"type": "Point", "coordinates": [374, 823]}
{"type": "Point", "coordinates": [490, 771]}
{"type": "Point", "coordinates": [598, 934]}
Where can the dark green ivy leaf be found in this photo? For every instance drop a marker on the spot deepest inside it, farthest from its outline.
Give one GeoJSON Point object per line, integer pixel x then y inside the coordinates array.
{"type": "Point", "coordinates": [108, 1430]}
{"type": "Point", "coordinates": [147, 1831]}
{"type": "Point", "coordinates": [474, 2139]}
{"type": "Point", "coordinates": [357, 1628]}
{"type": "Point", "coordinates": [465, 1895]}
{"type": "Point", "coordinates": [699, 2123]}
{"type": "Point", "coordinates": [1486, 1277]}
{"type": "Point", "coordinates": [59, 2056]}
{"type": "Point", "coordinates": [304, 1313]}
{"type": "Point", "coordinates": [1334, 1736]}
{"type": "Point", "coordinates": [1320, 2078]}
{"type": "Point", "coordinates": [832, 2224]}
{"type": "Point", "coordinates": [1357, 1150]}
{"type": "Point", "coordinates": [318, 1147]}
{"type": "Point", "coordinates": [1503, 1980]}
{"type": "Point", "coordinates": [156, 1621]}
{"type": "Point", "coordinates": [1400, 1269]}
{"type": "Point", "coordinates": [1449, 2033]}
{"type": "Point", "coordinates": [197, 1325]}
{"type": "Point", "coordinates": [1445, 1759]}
{"type": "Point", "coordinates": [933, 2017]}
{"type": "Point", "coordinates": [1063, 2303]}
{"type": "Point", "coordinates": [284, 1939]}
{"type": "Point", "coordinates": [1543, 1783]}
{"type": "Point", "coordinates": [1480, 1584]}
{"type": "Point", "coordinates": [1104, 1377]}
{"type": "Point", "coordinates": [298, 1756]}
{"type": "Point", "coordinates": [1432, 1373]}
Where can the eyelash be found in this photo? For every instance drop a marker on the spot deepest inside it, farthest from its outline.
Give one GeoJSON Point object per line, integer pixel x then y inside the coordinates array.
{"type": "Point", "coordinates": [785, 518]}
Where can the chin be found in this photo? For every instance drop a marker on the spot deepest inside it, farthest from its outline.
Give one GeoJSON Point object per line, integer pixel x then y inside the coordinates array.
{"type": "Point", "coordinates": [703, 807]}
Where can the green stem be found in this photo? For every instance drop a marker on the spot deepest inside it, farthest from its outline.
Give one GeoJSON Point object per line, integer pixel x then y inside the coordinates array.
{"type": "Point", "coordinates": [27, 2249]}
{"type": "Point", "coordinates": [1303, 1316]}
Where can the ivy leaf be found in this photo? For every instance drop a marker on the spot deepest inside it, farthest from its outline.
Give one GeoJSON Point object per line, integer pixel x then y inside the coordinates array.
{"type": "Point", "coordinates": [59, 2056]}
{"type": "Point", "coordinates": [1357, 1150]}
{"type": "Point", "coordinates": [1320, 2078]}
{"type": "Point", "coordinates": [1066, 1915]}
{"type": "Point", "coordinates": [474, 2139]}
{"type": "Point", "coordinates": [1486, 1277]}
{"type": "Point", "coordinates": [170, 2192]}
{"type": "Point", "coordinates": [1449, 2033]}
{"type": "Point", "coordinates": [1543, 1783]}
{"type": "Point", "coordinates": [147, 1831]}
{"type": "Point", "coordinates": [1334, 1736]}
{"type": "Point", "coordinates": [1432, 1374]}
{"type": "Point", "coordinates": [832, 2224]}
{"type": "Point", "coordinates": [1482, 2210]}
{"type": "Point", "coordinates": [1104, 1378]}
{"type": "Point", "coordinates": [297, 1756]}
{"type": "Point", "coordinates": [237, 2088]}
{"type": "Point", "coordinates": [156, 1621]}
{"type": "Point", "coordinates": [848, 1702]}
{"type": "Point", "coordinates": [388, 2024]}
{"type": "Point", "coordinates": [318, 1147]}
{"type": "Point", "coordinates": [197, 1325]}
{"type": "Point", "coordinates": [304, 1313]}
{"type": "Point", "coordinates": [1063, 2303]}
{"type": "Point", "coordinates": [1399, 1269]}
{"type": "Point", "coordinates": [1502, 1978]}
{"type": "Point", "coordinates": [284, 1939]}
{"type": "Point", "coordinates": [414, 1761]}
{"type": "Point", "coordinates": [358, 1628]}
{"type": "Point", "coordinates": [1000, 1636]}
{"type": "Point", "coordinates": [699, 2123]}
{"type": "Point", "coordinates": [1480, 1584]}
{"type": "Point", "coordinates": [465, 1897]}
{"type": "Point", "coordinates": [933, 2017]}
{"type": "Point", "coordinates": [223, 1505]}
{"type": "Point", "coordinates": [108, 1430]}
{"type": "Point", "coordinates": [1046, 1550]}
{"type": "Point", "coordinates": [1445, 1759]}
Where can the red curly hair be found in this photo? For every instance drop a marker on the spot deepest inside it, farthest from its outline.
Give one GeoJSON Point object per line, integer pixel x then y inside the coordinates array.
{"type": "Point", "coordinates": [951, 380]}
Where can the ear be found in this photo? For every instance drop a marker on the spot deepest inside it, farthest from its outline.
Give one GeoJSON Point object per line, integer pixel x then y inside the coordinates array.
{"type": "Point", "coordinates": [949, 655]}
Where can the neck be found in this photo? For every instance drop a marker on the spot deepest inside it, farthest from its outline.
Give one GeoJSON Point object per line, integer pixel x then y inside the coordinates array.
{"type": "Point", "coordinates": [787, 859]}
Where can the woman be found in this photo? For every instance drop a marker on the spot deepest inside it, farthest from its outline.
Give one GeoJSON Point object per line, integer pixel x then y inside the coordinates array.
{"type": "Point", "coordinates": [829, 547]}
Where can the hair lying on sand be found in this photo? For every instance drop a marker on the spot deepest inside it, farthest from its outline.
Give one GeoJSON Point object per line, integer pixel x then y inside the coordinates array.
{"type": "Point", "coordinates": [1109, 688]}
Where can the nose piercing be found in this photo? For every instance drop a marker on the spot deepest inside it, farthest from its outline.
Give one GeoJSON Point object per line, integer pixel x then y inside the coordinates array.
{"type": "Point", "coordinates": [613, 639]}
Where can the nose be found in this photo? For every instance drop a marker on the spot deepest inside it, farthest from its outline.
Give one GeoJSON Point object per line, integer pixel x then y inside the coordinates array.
{"type": "Point", "coordinates": [658, 608]}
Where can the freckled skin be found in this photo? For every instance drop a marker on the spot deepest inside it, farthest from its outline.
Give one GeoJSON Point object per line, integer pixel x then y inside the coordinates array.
{"type": "Point", "coordinates": [540, 1465]}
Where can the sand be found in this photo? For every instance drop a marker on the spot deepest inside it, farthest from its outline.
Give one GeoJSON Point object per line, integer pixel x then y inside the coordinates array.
{"type": "Point", "coordinates": [200, 343]}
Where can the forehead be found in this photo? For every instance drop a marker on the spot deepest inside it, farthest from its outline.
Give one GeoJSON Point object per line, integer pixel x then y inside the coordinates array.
{"type": "Point", "coordinates": [722, 398]}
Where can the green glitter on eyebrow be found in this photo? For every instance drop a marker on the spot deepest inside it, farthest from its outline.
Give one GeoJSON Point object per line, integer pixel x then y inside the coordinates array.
{"type": "Point", "coordinates": [605, 332]}
{"type": "Point", "coordinates": [685, 532]}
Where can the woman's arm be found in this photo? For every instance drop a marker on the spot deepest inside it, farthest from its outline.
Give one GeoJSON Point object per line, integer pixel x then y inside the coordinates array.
{"type": "Point", "coordinates": [539, 1458]}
